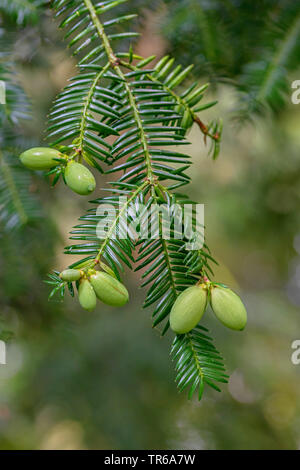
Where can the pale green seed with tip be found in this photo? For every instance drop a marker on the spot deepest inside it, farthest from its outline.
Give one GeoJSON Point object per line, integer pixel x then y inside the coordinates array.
{"type": "Point", "coordinates": [86, 295]}
{"type": "Point", "coordinates": [40, 158]}
{"type": "Point", "coordinates": [79, 179]}
{"type": "Point", "coordinates": [109, 290]}
{"type": "Point", "coordinates": [188, 309]}
{"type": "Point", "coordinates": [228, 308]}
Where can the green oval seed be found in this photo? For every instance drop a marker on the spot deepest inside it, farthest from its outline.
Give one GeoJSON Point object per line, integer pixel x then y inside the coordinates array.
{"type": "Point", "coordinates": [70, 275]}
{"type": "Point", "coordinates": [109, 290]}
{"type": "Point", "coordinates": [79, 179]}
{"type": "Point", "coordinates": [187, 120]}
{"type": "Point", "coordinates": [86, 295]}
{"type": "Point", "coordinates": [228, 308]}
{"type": "Point", "coordinates": [40, 158]}
{"type": "Point", "coordinates": [188, 309]}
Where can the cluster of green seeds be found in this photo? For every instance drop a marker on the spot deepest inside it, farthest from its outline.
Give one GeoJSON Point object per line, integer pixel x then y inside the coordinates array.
{"type": "Point", "coordinates": [76, 175]}
{"type": "Point", "coordinates": [96, 284]}
{"type": "Point", "coordinates": [191, 304]}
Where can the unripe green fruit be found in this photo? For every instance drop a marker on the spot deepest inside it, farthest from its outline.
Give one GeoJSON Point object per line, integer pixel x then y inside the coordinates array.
{"type": "Point", "coordinates": [86, 295]}
{"type": "Point", "coordinates": [70, 275]}
{"type": "Point", "coordinates": [40, 158]}
{"type": "Point", "coordinates": [228, 308]}
{"type": "Point", "coordinates": [109, 290]}
{"type": "Point", "coordinates": [79, 179]}
{"type": "Point", "coordinates": [188, 309]}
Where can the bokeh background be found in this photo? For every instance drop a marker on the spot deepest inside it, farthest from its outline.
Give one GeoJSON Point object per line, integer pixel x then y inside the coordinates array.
{"type": "Point", "coordinates": [104, 380]}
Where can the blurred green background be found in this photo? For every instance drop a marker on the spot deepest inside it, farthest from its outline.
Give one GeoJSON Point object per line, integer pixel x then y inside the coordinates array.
{"type": "Point", "coordinates": [104, 380]}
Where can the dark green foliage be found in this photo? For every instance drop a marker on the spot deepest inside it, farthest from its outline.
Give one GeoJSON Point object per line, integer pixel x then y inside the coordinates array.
{"type": "Point", "coordinates": [18, 205]}
{"type": "Point", "coordinates": [16, 106]}
{"type": "Point", "coordinates": [253, 45]}
{"type": "Point", "coordinates": [265, 81]}
{"type": "Point", "coordinates": [124, 114]}
{"type": "Point", "coordinates": [22, 12]}
{"type": "Point", "coordinates": [198, 362]}
{"type": "Point", "coordinates": [25, 241]}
